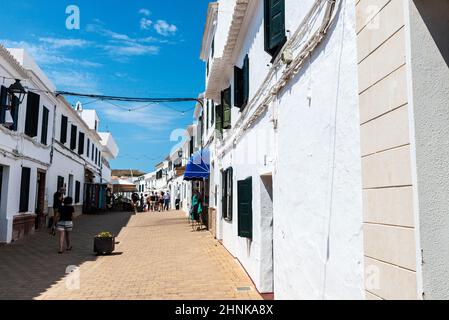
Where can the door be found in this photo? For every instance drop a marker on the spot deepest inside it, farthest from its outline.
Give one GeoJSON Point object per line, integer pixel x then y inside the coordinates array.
{"type": "Point", "coordinates": [40, 199]}
{"type": "Point", "coordinates": [267, 245]}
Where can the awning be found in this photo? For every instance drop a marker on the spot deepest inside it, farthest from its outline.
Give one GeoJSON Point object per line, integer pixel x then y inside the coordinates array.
{"type": "Point", "coordinates": [198, 167]}
{"type": "Point", "coordinates": [120, 185]}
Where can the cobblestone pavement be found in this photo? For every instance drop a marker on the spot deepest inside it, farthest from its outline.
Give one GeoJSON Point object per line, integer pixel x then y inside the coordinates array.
{"type": "Point", "coordinates": [159, 256]}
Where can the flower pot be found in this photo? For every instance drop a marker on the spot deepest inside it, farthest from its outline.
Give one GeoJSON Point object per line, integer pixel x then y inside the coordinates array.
{"type": "Point", "coordinates": [104, 245]}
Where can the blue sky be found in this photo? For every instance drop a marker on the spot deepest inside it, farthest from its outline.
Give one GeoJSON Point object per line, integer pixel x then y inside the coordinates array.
{"type": "Point", "coordinates": [141, 48]}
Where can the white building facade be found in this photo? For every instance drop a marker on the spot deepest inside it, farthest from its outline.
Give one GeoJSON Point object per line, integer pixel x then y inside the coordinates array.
{"type": "Point", "coordinates": [48, 146]}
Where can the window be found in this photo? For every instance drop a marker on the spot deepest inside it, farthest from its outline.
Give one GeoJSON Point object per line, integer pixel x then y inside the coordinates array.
{"type": "Point", "coordinates": [88, 147]}
{"type": "Point", "coordinates": [207, 114]}
{"type": "Point", "coordinates": [245, 208]}
{"type": "Point", "coordinates": [96, 155]}
{"type": "Point", "coordinates": [44, 132]}
{"type": "Point", "coordinates": [70, 186]}
{"type": "Point", "coordinates": [93, 152]}
{"type": "Point", "coordinates": [60, 182]}
{"type": "Point", "coordinates": [213, 47]}
{"type": "Point", "coordinates": [274, 23]}
{"type": "Point", "coordinates": [81, 143]}
{"type": "Point", "coordinates": [219, 118]}
{"type": "Point", "coordinates": [25, 190]}
{"type": "Point", "coordinates": [207, 68]}
{"type": "Point", "coordinates": [212, 113]}
{"type": "Point", "coordinates": [32, 115]}
{"type": "Point", "coordinates": [226, 202]}
{"type": "Point", "coordinates": [64, 122]}
{"type": "Point", "coordinates": [77, 191]}
{"type": "Point", "coordinates": [241, 84]}
{"type": "Point", "coordinates": [3, 103]}
{"type": "Point", "coordinates": [96, 125]}
{"type": "Point", "coordinates": [73, 136]}
{"type": "Point", "coordinates": [226, 104]}
{"type": "Point", "coordinates": [99, 158]}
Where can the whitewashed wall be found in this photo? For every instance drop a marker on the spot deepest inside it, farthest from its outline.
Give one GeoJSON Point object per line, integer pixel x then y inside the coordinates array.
{"type": "Point", "coordinates": [314, 158]}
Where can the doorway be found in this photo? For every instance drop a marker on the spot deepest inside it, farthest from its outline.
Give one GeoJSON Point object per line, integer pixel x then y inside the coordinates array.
{"type": "Point", "coordinates": [40, 199]}
{"type": "Point", "coordinates": [266, 211]}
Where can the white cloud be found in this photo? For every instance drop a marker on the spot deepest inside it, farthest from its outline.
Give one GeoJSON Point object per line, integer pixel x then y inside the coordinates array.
{"type": "Point", "coordinates": [74, 80]}
{"type": "Point", "coordinates": [152, 118]}
{"type": "Point", "coordinates": [45, 54]}
{"type": "Point", "coordinates": [130, 50]}
{"type": "Point", "coordinates": [145, 12]}
{"type": "Point", "coordinates": [164, 28]}
{"type": "Point", "coordinates": [63, 43]}
{"type": "Point", "coordinates": [145, 24]}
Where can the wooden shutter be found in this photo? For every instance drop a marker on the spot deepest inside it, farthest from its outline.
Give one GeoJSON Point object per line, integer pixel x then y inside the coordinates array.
{"type": "Point", "coordinates": [224, 201]}
{"type": "Point", "coordinates": [274, 25]}
{"type": "Point", "coordinates": [60, 182]}
{"type": "Point", "coordinates": [81, 143]}
{"type": "Point", "coordinates": [245, 84]}
{"type": "Point", "coordinates": [245, 209]}
{"type": "Point", "coordinates": [44, 132]}
{"type": "Point", "coordinates": [212, 113]}
{"type": "Point", "coordinates": [64, 122]}
{"type": "Point", "coordinates": [88, 147]}
{"type": "Point", "coordinates": [25, 190]}
{"type": "Point", "coordinates": [238, 87]}
{"type": "Point", "coordinates": [73, 136]}
{"type": "Point", "coordinates": [219, 118]}
{"type": "Point", "coordinates": [3, 103]}
{"type": "Point", "coordinates": [229, 191]}
{"type": "Point", "coordinates": [32, 114]}
{"type": "Point", "coordinates": [226, 103]}
{"type": "Point", "coordinates": [77, 191]}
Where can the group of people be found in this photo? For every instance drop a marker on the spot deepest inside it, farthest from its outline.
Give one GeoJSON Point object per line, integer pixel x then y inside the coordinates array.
{"type": "Point", "coordinates": [63, 211]}
{"type": "Point", "coordinates": [155, 201]}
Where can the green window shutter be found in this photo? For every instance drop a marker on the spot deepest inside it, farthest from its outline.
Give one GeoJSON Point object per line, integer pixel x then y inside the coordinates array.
{"type": "Point", "coordinates": [64, 122]}
{"type": "Point", "coordinates": [15, 113]}
{"type": "Point", "coordinates": [224, 202]}
{"type": "Point", "coordinates": [32, 114]}
{"type": "Point", "coordinates": [60, 182]}
{"type": "Point", "coordinates": [3, 102]}
{"type": "Point", "coordinates": [77, 191]}
{"type": "Point", "coordinates": [88, 147]}
{"type": "Point", "coordinates": [25, 190]}
{"type": "Point", "coordinates": [44, 132]}
{"type": "Point", "coordinates": [238, 87]}
{"type": "Point", "coordinates": [245, 208]}
{"type": "Point", "coordinates": [226, 103]}
{"type": "Point", "coordinates": [81, 143]}
{"type": "Point", "coordinates": [73, 135]}
{"type": "Point", "coordinates": [274, 25]}
{"type": "Point", "coordinates": [219, 118]}
{"type": "Point", "coordinates": [229, 186]}
{"type": "Point", "coordinates": [245, 85]}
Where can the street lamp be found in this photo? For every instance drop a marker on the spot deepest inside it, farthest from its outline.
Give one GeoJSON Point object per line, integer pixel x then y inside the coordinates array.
{"type": "Point", "coordinates": [17, 90]}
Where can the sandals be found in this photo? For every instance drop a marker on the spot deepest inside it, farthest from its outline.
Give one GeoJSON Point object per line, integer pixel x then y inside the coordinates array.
{"type": "Point", "coordinates": [69, 249]}
{"type": "Point", "coordinates": [60, 252]}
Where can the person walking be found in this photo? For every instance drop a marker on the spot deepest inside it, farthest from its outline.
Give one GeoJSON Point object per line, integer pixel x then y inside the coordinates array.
{"type": "Point", "coordinates": [57, 204]}
{"type": "Point", "coordinates": [64, 224]}
{"type": "Point", "coordinates": [178, 199]}
{"type": "Point", "coordinates": [135, 200]}
{"type": "Point", "coordinates": [161, 201]}
{"type": "Point", "coordinates": [167, 201]}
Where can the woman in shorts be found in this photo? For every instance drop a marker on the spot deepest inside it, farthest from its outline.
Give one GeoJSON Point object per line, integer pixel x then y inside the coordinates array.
{"type": "Point", "coordinates": [65, 224]}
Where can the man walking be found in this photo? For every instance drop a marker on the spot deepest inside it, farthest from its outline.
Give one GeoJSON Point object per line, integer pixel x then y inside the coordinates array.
{"type": "Point", "coordinates": [167, 201]}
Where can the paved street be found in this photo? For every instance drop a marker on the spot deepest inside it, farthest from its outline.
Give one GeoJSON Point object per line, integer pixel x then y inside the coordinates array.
{"type": "Point", "coordinates": [159, 257]}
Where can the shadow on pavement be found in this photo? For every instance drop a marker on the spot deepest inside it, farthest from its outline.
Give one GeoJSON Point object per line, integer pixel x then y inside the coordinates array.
{"type": "Point", "coordinates": [31, 266]}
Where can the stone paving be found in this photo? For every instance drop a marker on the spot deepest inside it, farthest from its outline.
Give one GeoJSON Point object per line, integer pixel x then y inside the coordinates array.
{"type": "Point", "coordinates": [159, 256]}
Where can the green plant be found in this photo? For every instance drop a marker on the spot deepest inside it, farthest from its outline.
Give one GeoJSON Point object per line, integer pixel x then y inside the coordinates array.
{"type": "Point", "coordinates": [105, 234]}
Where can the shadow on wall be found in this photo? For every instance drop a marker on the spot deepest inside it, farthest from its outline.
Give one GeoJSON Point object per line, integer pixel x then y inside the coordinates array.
{"type": "Point", "coordinates": [31, 266]}
{"type": "Point", "coordinates": [434, 15]}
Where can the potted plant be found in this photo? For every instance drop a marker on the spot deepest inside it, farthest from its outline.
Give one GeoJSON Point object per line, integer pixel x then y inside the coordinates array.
{"type": "Point", "coordinates": [104, 243]}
